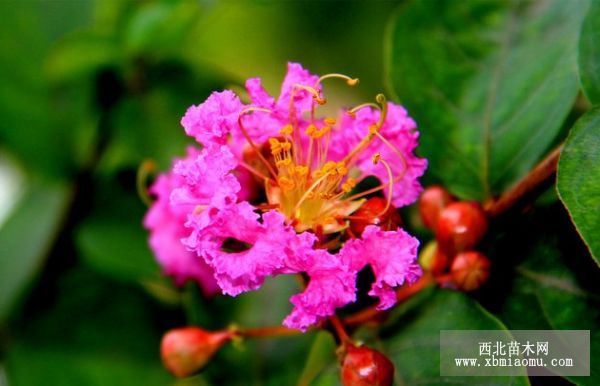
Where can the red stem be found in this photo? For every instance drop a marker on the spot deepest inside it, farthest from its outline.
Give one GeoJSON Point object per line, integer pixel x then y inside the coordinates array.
{"type": "Point", "coordinates": [527, 187]}
{"type": "Point", "coordinates": [403, 293]}
{"type": "Point", "coordinates": [339, 329]}
{"type": "Point", "coordinates": [266, 332]}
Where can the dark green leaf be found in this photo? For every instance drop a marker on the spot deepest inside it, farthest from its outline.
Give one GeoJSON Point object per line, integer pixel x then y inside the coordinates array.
{"type": "Point", "coordinates": [31, 125]}
{"type": "Point", "coordinates": [545, 294]}
{"type": "Point", "coordinates": [26, 237]}
{"type": "Point", "coordinates": [94, 332]}
{"type": "Point", "coordinates": [322, 354]}
{"type": "Point", "coordinates": [414, 342]}
{"type": "Point", "coordinates": [112, 239]}
{"type": "Point", "coordinates": [589, 53]}
{"type": "Point", "coordinates": [579, 178]}
{"type": "Point", "coordinates": [117, 248]}
{"type": "Point", "coordinates": [489, 84]}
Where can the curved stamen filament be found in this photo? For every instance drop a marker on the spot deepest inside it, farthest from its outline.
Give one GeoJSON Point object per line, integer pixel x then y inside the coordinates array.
{"type": "Point", "coordinates": [250, 141]}
{"type": "Point", "coordinates": [377, 159]}
{"type": "Point", "coordinates": [353, 110]}
{"type": "Point", "coordinates": [253, 171]}
{"type": "Point", "coordinates": [315, 93]}
{"type": "Point", "coordinates": [380, 98]}
{"type": "Point", "coordinates": [349, 81]}
{"type": "Point", "coordinates": [373, 129]}
{"type": "Point", "coordinates": [395, 150]}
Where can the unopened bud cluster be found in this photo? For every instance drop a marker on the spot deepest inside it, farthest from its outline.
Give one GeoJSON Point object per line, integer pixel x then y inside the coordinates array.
{"type": "Point", "coordinates": [458, 227]}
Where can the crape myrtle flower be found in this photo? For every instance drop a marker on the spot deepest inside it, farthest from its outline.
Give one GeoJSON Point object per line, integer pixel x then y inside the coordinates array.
{"type": "Point", "coordinates": [272, 193]}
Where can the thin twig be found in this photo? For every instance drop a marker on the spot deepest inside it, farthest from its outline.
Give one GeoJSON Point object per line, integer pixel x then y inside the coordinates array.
{"type": "Point", "coordinates": [528, 186]}
{"type": "Point", "coordinates": [403, 293]}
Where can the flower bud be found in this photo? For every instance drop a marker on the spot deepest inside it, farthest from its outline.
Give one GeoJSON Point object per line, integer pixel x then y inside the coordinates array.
{"type": "Point", "coordinates": [460, 226]}
{"type": "Point", "coordinates": [186, 350]}
{"type": "Point", "coordinates": [363, 366]}
{"type": "Point", "coordinates": [371, 213]}
{"type": "Point", "coordinates": [432, 258]}
{"type": "Point", "coordinates": [432, 201]}
{"type": "Point", "coordinates": [470, 270]}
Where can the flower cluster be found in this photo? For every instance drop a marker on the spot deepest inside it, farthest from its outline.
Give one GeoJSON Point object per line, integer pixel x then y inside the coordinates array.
{"type": "Point", "coordinates": [272, 192]}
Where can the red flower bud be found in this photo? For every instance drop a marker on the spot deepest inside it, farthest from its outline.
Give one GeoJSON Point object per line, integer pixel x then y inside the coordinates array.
{"type": "Point", "coordinates": [363, 366]}
{"type": "Point", "coordinates": [460, 226]}
{"type": "Point", "coordinates": [370, 213]}
{"type": "Point", "coordinates": [470, 270]}
{"type": "Point", "coordinates": [432, 258]}
{"type": "Point", "coordinates": [188, 349]}
{"type": "Point", "coordinates": [432, 201]}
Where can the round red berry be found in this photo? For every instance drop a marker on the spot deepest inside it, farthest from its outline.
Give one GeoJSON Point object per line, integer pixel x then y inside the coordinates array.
{"type": "Point", "coordinates": [372, 213]}
{"type": "Point", "coordinates": [460, 226]}
{"type": "Point", "coordinates": [363, 366]}
{"type": "Point", "coordinates": [432, 201]}
{"type": "Point", "coordinates": [470, 270]}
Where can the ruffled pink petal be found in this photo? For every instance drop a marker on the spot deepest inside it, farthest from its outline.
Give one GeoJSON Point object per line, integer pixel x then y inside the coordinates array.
{"type": "Point", "coordinates": [392, 256]}
{"type": "Point", "coordinates": [302, 99]}
{"type": "Point", "coordinates": [206, 178]}
{"type": "Point", "coordinates": [399, 130]}
{"type": "Point", "coordinates": [271, 245]}
{"type": "Point", "coordinates": [258, 95]}
{"type": "Point", "coordinates": [166, 226]}
{"type": "Point", "coordinates": [332, 285]}
{"type": "Point", "coordinates": [213, 120]}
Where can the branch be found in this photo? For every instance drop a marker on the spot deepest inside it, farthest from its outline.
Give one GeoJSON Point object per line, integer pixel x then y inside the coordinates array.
{"type": "Point", "coordinates": [403, 293]}
{"type": "Point", "coordinates": [528, 187]}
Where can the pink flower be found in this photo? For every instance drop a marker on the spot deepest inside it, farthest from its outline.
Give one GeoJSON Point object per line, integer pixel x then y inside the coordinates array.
{"type": "Point", "coordinates": [166, 225]}
{"type": "Point", "coordinates": [271, 193]}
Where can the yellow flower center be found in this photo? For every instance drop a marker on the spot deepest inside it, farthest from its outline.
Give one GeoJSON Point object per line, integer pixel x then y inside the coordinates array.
{"type": "Point", "coordinates": [308, 188]}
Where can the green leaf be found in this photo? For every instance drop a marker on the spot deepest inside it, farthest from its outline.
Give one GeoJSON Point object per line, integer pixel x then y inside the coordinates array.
{"type": "Point", "coordinates": [117, 248]}
{"type": "Point", "coordinates": [112, 239]}
{"type": "Point", "coordinates": [31, 125]}
{"type": "Point", "coordinates": [546, 294]}
{"type": "Point", "coordinates": [96, 332]}
{"type": "Point", "coordinates": [579, 178]}
{"type": "Point", "coordinates": [26, 237]}
{"type": "Point", "coordinates": [413, 344]}
{"type": "Point", "coordinates": [157, 27]}
{"type": "Point", "coordinates": [589, 53]}
{"type": "Point", "coordinates": [322, 353]}
{"type": "Point", "coordinates": [489, 84]}
{"type": "Point", "coordinates": [80, 54]}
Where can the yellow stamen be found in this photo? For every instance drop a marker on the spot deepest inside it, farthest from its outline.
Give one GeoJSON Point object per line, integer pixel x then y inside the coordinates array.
{"type": "Point", "coordinates": [329, 121]}
{"type": "Point", "coordinates": [285, 183]}
{"type": "Point", "coordinates": [287, 130]}
{"type": "Point", "coordinates": [349, 185]}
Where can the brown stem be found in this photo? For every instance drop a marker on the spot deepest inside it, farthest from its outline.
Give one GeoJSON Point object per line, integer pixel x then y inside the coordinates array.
{"type": "Point", "coordinates": [528, 187]}
{"type": "Point", "coordinates": [266, 332]}
{"type": "Point", "coordinates": [403, 293]}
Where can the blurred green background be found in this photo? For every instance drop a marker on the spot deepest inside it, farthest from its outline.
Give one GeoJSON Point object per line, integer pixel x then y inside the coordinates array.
{"type": "Point", "coordinates": [91, 89]}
